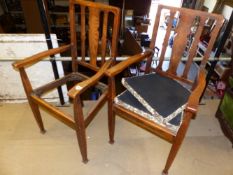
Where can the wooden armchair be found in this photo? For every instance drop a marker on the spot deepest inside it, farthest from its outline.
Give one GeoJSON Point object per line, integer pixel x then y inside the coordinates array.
{"type": "Point", "coordinates": [164, 100]}
{"type": "Point", "coordinates": [95, 21]}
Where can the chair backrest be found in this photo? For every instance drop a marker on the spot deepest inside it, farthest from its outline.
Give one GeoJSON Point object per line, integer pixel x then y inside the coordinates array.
{"type": "Point", "coordinates": [101, 23]}
{"type": "Point", "coordinates": [180, 35]}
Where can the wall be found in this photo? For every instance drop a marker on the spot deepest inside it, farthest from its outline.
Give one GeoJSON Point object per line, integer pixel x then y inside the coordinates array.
{"type": "Point", "coordinates": [32, 16]}
{"type": "Point", "coordinates": [18, 46]}
{"type": "Point", "coordinates": [210, 4]}
{"type": "Point", "coordinates": [226, 11]}
{"type": "Point", "coordinates": [140, 7]}
{"type": "Point", "coordinates": [1, 10]}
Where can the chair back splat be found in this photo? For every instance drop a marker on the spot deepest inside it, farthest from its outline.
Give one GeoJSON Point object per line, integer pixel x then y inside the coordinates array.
{"type": "Point", "coordinates": [165, 99]}
{"type": "Point", "coordinates": [99, 29]}
{"type": "Point", "coordinates": [182, 34]}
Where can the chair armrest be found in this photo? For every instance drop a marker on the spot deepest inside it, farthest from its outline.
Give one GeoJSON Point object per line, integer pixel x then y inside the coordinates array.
{"type": "Point", "coordinates": [82, 86]}
{"type": "Point", "coordinates": [194, 98]}
{"type": "Point", "coordinates": [126, 63]}
{"type": "Point", "coordinates": [38, 57]}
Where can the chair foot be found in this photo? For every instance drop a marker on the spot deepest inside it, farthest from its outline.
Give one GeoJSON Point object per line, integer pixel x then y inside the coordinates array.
{"type": "Point", "coordinates": [85, 161]}
{"type": "Point", "coordinates": [111, 142]}
{"type": "Point", "coordinates": [43, 131]}
{"type": "Point", "coordinates": [164, 173]}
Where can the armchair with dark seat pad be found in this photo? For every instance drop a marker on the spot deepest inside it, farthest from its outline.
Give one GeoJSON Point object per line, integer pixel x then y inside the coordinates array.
{"type": "Point", "coordinates": [164, 100]}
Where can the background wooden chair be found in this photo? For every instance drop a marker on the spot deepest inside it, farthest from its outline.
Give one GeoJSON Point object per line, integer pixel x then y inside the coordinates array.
{"type": "Point", "coordinates": [146, 103]}
{"type": "Point", "coordinates": [94, 22]}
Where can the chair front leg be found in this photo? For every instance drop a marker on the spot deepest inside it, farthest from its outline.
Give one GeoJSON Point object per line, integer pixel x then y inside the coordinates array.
{"type": "Point", "coordinates": [80, 128]}
{"type": "Point", "coordinates": [178, 141]}
{"type": "Point", "coordinates": [111, 113]}
{"type": "Point", "coordinates": [37, 115]}
{"type": "Point", "coordinates": [111, 121]}
{"type": "Point", "coordinates": [34, 107]}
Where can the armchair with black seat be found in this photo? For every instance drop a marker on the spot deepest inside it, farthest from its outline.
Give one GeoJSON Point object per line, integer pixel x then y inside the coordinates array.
{"type": "Point", "coordinates": [96, 20]}
{"type": "Point", "coordinates": [165, 99]}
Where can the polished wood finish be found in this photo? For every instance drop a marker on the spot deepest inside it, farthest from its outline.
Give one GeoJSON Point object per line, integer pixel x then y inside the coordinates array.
{"type": "Point", "coordinates": [103, 40]}
{"type": "Point", "coordinates": [34, 107]}
{"type": "Point", "coordinates": [38, 57]}
{"type": "Point", "coordinates": [129, 61]}
{"type": "Point", "coordinates": [83, 32]}
{"type": "Point", "coordinates": [82, 86]}
{"type": "Point", "coordinates": [93, 34]}
{"type": "Point", "coordinates": [90, 24]}
{"type": "Point", "coordinates": [187, 20]}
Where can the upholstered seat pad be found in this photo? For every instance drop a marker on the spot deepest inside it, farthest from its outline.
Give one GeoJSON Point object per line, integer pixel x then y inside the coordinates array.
{"type": "Point", "coordinates": [128, 101]}
{"type": "Point", "coordinates": [161, 96]}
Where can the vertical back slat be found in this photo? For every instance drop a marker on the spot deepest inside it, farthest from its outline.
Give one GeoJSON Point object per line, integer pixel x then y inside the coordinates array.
{"type": "Point", "coordinates": [83, 32]}
{"type": "Point", "coordinates": [155, 29]}
{"type": "Point", "coordinates": [166, 38]}
{"type": "Point", "coordinates": [193, 49]}
{"type": "Point", "coordinates": [73, 36]}
{"type": "Point", "coordinates": [211, 42]}
{"type": "Point", "coordinates": [93, 34]}
{"type": "Point", "coordinates": [180, 40]}
{"type": "Point", "coordinates": [115, 34]}
{"type": "Point", "coordinates": [153, 39]}
{"type": "Point", "coordinates": [104, 38]}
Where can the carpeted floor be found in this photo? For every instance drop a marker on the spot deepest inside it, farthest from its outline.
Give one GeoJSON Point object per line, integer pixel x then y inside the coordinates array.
{"type": "Point", "coordinates": [24, 151]}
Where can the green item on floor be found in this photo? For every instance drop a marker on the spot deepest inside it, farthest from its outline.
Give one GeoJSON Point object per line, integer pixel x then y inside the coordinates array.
{"type": "Point", "coordinates": [231, 82]}
{"type": "Point", "coordinates": [227, 104]}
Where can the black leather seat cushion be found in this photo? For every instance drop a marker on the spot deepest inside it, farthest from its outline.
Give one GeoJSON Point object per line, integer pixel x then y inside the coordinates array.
{"type": "Point", "coordinates": [161, 99]}
{"type": "Point", "coordinates": [128, 101]}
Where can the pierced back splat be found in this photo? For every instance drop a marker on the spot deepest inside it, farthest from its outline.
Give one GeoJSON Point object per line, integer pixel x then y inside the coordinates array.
{"type": "Point", "coordinates": [183, 27]}
{"type": "Point", "coordinates": [95, 39]}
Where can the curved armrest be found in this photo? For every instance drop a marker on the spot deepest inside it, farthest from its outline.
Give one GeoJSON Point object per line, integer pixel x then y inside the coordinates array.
{"type": "Point", "coordinates": [126, 63]}
{"type": "Point", "coordinates": [82, 86]}
{"type": "Point", "coordinates": [196, 93]}
{"type": "Point", "coordinates": [38, 57]}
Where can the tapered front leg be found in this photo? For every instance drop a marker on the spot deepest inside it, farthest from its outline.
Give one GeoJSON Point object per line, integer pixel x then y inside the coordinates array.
{"type": "Point", "coordinates": [80, 128]}
{"type": "Point", "coordinates": [111, 122]}
{"type": "Point", "coordinates": [34, 107]}
{"type": "Point", "coordinates": [111, 114]}
{"type": "Point", "coordinates": [37, 115]}
{"type": "Point", "coordinates": [178, 141]}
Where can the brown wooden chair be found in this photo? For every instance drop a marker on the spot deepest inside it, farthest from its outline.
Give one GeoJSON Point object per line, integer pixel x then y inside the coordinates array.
{"type": "Point", "coordinates": [96, 20]}
{"type": "Point", "coordinates": [165, 99]}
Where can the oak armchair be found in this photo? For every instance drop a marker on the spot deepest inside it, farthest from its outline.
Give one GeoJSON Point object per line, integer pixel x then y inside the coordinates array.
{"type": "Point", "coordinates": [166, 98]}
{"type": "Point", "coordinates": [96, 20]}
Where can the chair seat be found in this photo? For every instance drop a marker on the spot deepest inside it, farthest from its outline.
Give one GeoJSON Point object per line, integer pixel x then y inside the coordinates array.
{"type": "Point", "coordinates": [157, 98]}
